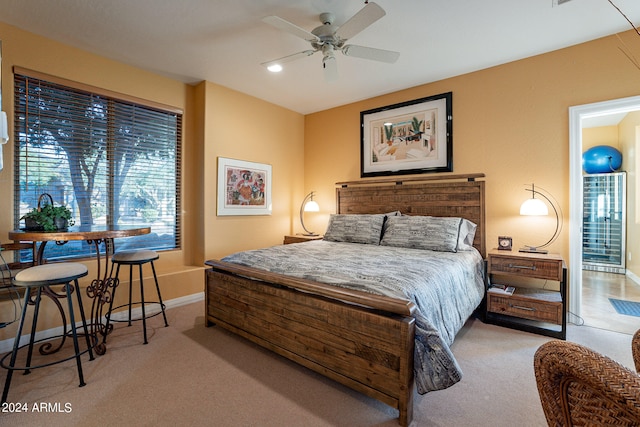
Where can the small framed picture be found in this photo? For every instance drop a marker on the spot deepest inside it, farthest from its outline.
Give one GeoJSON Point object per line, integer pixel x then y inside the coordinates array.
{"type": "Point", "coordinates": [504, 243]}
{"type": "Point", "coordinates": [244, 188]}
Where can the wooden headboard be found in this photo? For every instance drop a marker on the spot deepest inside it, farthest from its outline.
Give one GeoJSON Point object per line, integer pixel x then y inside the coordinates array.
{"type": "Point", "coordinates": [435, 195]}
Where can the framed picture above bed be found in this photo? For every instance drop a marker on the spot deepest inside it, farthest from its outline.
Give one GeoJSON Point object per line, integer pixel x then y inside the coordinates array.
{"type": "Point", "coordinates": [412, 137]}
{"type": "Point", "coordinates": [244, 188]}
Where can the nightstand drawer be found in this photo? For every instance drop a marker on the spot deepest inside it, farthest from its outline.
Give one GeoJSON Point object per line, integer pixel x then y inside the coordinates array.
{"type": "Point", "coordinates": [530, 267]}
{"type": "Point", "coordinates": [533, 306]}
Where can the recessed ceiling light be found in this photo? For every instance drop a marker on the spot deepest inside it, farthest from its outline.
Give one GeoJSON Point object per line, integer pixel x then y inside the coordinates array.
{"type": "Point", "coordinates": [275, 68]}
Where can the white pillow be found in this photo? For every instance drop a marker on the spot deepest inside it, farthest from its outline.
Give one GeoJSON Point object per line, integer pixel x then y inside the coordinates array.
{"type": "Point", "coordinates": [466, 235]}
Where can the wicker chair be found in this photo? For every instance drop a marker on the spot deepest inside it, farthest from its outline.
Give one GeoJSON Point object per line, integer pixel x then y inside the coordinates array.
{"type": "Point", "coordinates": [635, 349]}
{"type": "Point", "coordinates": [578, 386]}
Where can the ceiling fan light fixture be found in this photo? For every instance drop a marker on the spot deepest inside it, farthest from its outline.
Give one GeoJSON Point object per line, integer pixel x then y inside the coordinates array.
{"type": "Point", "coordinates": [330, 68]}
{"type": "Point", "coordinates": [329, 38]}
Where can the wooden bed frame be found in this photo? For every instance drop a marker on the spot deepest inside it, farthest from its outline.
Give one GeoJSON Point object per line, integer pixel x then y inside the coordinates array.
{"type": "Point", "coordinates": [361, 340]}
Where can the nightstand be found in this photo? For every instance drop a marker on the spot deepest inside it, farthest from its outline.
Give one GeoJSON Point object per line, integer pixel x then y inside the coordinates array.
{"type": "Point", "coordinates": [300, 238]}
{"type": "Point", "coordinates": [532, 307]}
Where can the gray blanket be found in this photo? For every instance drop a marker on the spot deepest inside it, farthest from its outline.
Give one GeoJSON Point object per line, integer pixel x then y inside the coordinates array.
{"type": "Point", "coordinates": [446, 288]}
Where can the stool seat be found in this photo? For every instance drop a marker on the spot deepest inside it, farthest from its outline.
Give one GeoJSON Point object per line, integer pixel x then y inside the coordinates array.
{"type": "Point", "coordinates": [50, 274]}
{"type": "Point", "coordinates": [134, 257]}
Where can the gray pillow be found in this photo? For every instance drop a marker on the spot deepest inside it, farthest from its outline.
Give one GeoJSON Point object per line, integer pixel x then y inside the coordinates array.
{"type": "Point", "coordinates": [355, 228]}
{"type": "Point", "coordinates": [422, 232]}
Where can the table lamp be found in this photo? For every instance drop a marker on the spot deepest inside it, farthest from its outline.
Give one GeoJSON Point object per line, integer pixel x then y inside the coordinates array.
{"type": "Point", "coordinates": [536, 206]}
{"type": "Point", "coordinates": [308, 205]}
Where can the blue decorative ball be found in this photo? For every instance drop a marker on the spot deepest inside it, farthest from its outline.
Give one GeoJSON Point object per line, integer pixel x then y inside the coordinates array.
{"type": "Point", "coordinates": [601, 159]}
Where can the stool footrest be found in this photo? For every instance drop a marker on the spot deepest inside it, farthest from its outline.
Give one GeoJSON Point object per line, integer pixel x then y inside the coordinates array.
{"type": "Point", "coordinates": [94, 342]}
{"type": "Point", "coordinates": [123, 314]}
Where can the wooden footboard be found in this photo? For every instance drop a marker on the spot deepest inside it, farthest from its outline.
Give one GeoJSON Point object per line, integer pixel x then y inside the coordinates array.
{"type": "Point", "coordinates": [363, 341]}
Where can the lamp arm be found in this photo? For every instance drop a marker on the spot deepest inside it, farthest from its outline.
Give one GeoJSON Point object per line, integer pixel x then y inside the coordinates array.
{"type": "Point", "coordinates": [304, 202]}
{"type": "Point", "coordinates": [556, 233]}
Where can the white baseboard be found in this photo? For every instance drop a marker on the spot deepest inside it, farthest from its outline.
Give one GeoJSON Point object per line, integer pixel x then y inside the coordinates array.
{"type": "Point", "coordinates": [7, 345]}
{"type": "Point", "coordinates": [634, 278]}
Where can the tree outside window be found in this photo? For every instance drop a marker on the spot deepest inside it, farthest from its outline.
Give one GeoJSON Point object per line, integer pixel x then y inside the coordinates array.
{"type": "Point", "coordinates": [110, 161]}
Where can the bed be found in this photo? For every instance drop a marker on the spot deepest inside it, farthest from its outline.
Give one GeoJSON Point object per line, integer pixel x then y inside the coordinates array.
{"type": "Point", "coordinates": [364, 340]}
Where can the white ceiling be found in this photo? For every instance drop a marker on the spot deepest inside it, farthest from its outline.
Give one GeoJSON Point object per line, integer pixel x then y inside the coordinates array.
{"type": "Point", "coordinates": [224, 41]}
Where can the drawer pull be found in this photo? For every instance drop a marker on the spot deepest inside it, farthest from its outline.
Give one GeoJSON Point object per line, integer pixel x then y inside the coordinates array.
{"type": "Point", "coordinates": [519, 307]}
{"type": "Point", "coordinates": [526, 267]}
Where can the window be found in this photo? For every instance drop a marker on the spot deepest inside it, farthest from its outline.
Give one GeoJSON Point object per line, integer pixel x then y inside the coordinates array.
{"type": "Point", "coordinates": [111, 161]}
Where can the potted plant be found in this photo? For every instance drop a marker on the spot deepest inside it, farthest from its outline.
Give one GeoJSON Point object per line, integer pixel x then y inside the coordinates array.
{"type": "Point", "coordinates": [47, 217]}
{"type": "Point", "coordinates": [388, 132]}
{"type": "Point", "coordinates": [416, 125]}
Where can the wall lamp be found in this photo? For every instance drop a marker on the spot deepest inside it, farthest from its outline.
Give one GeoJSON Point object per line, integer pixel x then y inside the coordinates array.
{"type": "Point", "coordinates": [308, 205]}
{"type": "Point", "coordinates": [536, 206]}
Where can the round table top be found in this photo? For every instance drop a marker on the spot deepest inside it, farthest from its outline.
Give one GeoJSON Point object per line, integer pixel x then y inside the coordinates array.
{"type": "Point", "coordinates": [82, 232]}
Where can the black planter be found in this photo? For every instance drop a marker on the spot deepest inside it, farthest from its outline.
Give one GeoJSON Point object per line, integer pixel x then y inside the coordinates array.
{"type": "Point", "coordinates": [32, 225]}
{"type": "Point", "coordinates": [61, 223]}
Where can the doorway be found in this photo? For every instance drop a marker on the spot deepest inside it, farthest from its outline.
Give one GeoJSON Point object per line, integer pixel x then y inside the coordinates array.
{"type": "Point", "coordinates": [578, 115]}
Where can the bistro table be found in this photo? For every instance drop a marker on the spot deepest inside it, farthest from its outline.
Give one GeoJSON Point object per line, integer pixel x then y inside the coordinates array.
{"type": "Point", "coordinates": [101, 287]}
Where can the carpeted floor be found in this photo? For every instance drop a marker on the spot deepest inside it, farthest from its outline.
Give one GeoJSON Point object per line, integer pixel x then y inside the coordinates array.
{"type": "Point", "coordinates": [192, 375]}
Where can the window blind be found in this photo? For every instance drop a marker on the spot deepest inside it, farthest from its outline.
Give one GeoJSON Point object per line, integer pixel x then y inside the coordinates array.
{"type": "Point", "coordinates": [110, 161]}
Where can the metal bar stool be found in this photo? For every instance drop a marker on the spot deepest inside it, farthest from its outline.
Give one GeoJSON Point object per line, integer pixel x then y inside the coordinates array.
{"type": "Point", "coordinates": [36, 279]}
{"type": "Point", "coordinates": [139, 258]}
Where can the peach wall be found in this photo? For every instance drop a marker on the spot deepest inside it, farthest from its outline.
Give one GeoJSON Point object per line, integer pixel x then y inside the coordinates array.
{"type": "Point", "coordinates": [242, 127]}
{"type": "Point", "coordinates": [510, 122]}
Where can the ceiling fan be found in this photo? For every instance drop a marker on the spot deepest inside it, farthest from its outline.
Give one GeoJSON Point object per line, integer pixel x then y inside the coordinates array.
{"type": "Point", "coordinates": [329, 38]}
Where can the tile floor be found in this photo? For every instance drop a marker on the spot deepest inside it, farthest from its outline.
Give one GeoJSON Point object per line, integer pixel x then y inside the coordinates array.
{"type": "Point", "coordinates": [597, 311]}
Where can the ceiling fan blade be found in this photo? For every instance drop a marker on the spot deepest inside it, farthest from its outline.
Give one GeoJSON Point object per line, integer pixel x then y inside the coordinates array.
{"type": "Point", "coordinates": [289, 58]}
{"type": "Point", "coordinates": [381, 55]}
{"type": "Point", "coordinates": [330, 68]}
{"type": "Point", "coordinates": [290, 28]}
{"type": "Point", "coordinates": [361, 20]}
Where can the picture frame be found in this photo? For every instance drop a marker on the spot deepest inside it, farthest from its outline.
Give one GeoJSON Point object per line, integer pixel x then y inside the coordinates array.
{"type": "Point", "coordinates": [244, 188]}
{"type": "Point", "coordinates": [411, 137]}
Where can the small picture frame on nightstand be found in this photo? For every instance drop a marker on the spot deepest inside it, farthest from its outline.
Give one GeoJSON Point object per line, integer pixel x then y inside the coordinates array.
{"type": "Point", "coordinates": [504, 243]}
